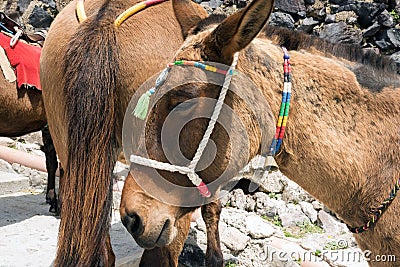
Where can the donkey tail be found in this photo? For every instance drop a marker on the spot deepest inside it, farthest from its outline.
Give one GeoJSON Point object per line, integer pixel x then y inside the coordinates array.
{"type": "Point", "coordinates": [91, 67]}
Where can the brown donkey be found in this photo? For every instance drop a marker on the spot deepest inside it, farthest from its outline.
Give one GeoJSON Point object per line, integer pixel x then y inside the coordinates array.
{"type": "Point", "coordinates": [342, 139]}
{"type": "Point", "coordinates": [22, 112]}
{"type": "Point", "coordinates": [96, 68]}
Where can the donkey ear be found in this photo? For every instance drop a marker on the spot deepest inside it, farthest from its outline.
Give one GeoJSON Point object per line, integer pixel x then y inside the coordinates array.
{"type": "Point", "coordinates": [188, 14]}
{"type": "Point", "coordinates": [239, 29]}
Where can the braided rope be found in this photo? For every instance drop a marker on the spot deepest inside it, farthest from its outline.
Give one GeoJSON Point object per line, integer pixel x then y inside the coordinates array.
{"type": "Point", "coordinates": [159, 165]}
{"type": "Point", "coordinates": [190, 171]}
{"type": "Point", "coordinates": [377, 212]}
{"type": "Point", "coordinates": [215, 115]}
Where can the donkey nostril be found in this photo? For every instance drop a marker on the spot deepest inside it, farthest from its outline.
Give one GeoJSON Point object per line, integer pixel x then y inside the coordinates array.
{"type": "Point", "coordinates": [132, 223]}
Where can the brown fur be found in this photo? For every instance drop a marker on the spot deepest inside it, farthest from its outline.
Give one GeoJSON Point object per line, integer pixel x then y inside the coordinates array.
{"type": "Point", "coordinates": [96, 69]}
{"type": "Point", "coordinates": [342, 140]}
{"type": "Point", "coordinates": [22, 112]}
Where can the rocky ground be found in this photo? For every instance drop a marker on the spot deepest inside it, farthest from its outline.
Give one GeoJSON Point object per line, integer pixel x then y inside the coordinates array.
{"type": "Point", "coordinates": [279, 224]}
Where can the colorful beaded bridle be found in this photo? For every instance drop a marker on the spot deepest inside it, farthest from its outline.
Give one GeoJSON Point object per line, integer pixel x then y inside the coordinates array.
{"type": "Point", "coordinates": [141, 109]}
{"type": "Point", "coordinates": [143, 103]}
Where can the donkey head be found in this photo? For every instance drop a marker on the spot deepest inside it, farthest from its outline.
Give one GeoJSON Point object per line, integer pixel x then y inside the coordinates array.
{"type": "Point", "coordinates": [150, 220]}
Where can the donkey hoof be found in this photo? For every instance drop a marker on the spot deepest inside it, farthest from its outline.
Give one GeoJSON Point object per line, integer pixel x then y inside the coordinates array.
{"type": "Point", "coordinates": [54, 207]}
{"type": "Point", "coordinates": [215, 260]}
{"type": "Point", "coordinates": [50, 196]}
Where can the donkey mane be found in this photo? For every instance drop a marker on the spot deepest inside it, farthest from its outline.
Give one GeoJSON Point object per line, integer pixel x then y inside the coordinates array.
{"type": "Point", "coordinates": [374, 71]}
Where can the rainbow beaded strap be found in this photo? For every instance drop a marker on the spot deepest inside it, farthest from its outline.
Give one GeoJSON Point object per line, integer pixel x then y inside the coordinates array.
{"type": "Point", "coordinates": [270, 163]}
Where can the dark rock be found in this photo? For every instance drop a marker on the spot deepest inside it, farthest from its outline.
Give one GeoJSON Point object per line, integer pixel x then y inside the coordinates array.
{"type": "Point", "coordinates": [308, 25]}
{"type": "Point", "coordinates": [40, 18]}
{"type": "Point", "coordinates": [339, 2]}
{"type": "Point", "coordinates": [322, 13]}
{"type": "Point", "coordinates": [192, 255]}
{"type": "Point", "coordinates": [367, 12]}
{"type": "Point", "coordinates": [309, 2]}
{"type": "Point", "coordinates": [396, 59]}
{"type": "Point", "coordinates": [382, 44]}
{"type": "Point", "coordinates": [317, 14]}
{"type": "Point", "coordinates": [394, 36]}
{"type": "Point", "coordinates": [281, 19]}
{"type": "Point", "coordinates": [241, 3]}
{"type": "Point", "coordinates": [341, 33]}
{"type": "Point", "coordinates": [393, 3]}
{"type": "Point", "coordinates": [23, 5]}
{"type": "Point", "coordinates": [372, 30]}
{"type": "Point", "coordinates": [291, 6]}
{"type": "Point", "coordinates": [335, 9]}
{"type": "Point", "coordinates": [385, 19]}
{"type": "Point", "coordinates": [301, 14]}
{"type": "Point", "coordinates": [50, 3]}
{"type": "Point", "coordinates": [229, 2]}
{"type": "Point", "coordinates": [348, 7]}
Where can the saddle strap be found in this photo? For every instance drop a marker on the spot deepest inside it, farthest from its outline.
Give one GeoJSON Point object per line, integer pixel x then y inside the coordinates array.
{"type": "Point", "coordinates": [5, 65]}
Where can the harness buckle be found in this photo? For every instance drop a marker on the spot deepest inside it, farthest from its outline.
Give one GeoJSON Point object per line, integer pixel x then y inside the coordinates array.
{"type": "Point", "coordinates": [16, 37]}
{"type": "Point", "coordinates": [270, 164]}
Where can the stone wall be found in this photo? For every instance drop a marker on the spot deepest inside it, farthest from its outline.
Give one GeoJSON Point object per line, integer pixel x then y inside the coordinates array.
{"type": "Point", "coordinates": [370, 24]}
{"type": "Point", "coordinates": [33, 14]}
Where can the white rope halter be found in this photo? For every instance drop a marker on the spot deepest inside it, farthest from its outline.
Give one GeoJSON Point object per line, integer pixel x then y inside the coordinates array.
{"type": "Point", "coordinates": [190, 170]}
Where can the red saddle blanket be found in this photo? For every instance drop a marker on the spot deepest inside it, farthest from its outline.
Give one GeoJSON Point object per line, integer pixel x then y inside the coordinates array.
{"type": "Point", "coordinates": [25, 59]}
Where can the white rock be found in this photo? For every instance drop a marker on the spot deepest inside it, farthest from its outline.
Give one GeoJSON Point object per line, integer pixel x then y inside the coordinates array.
{"type": "Point", "coordinates": [330, 224]}
{"type": "Point", "coordinates": [294, 193]}
{"type": "Point", "coordinates": [258, 227]}
{"type": "Point", "coordinates": [272, 182]}
{"type": "Point", "coordinates": [292, 215]}
{"type": "Point", "coordinates": [201, 225]}
{"type": "Point", "coordinates": [234, 217]}
{"type": "Point", "coordinates": [5, 166]}
{"type": "Point", "coordinates": [6, 141]}
{"type": "Point", "coordinates": [309, 210]}
{"type": "Point", "coordinates": [234, 239]}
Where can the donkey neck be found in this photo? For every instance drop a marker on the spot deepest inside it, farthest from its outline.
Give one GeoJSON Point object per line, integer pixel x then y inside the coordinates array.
{"type": "Point", "coordinates": [342, 140]}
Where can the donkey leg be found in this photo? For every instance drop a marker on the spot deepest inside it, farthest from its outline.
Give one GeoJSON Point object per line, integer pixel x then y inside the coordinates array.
{"type": "Point", "coordinates": [168, 256]}
{"type": "Point", "coordinates": [51, 166]}
{"type": "Point", "coordinates": [211, 213]}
